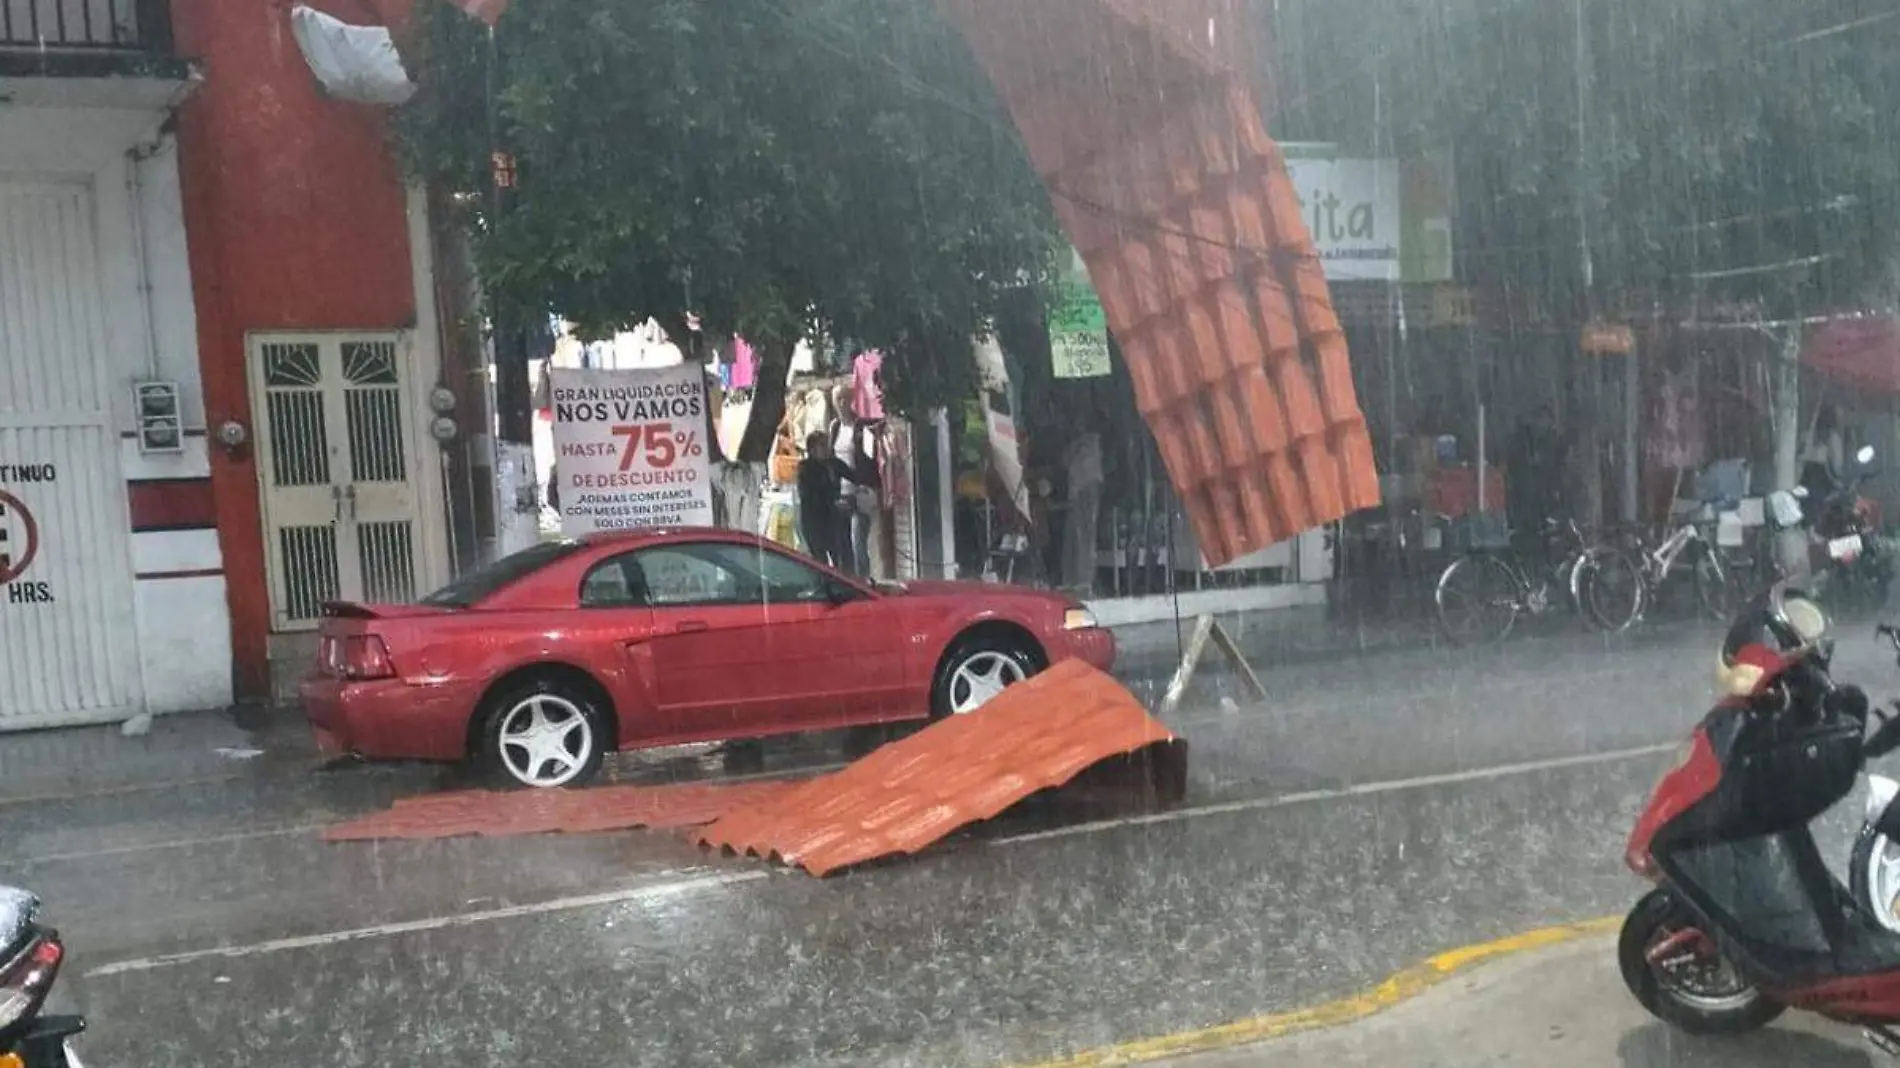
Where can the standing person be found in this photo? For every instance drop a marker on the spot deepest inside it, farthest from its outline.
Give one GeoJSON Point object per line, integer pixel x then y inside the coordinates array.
{"type": "Point", "coordinates": [1824, 460]}
{"type": "Point", "coordinates": [851, 445]}
{"type": "Point", "coordinates": [867, 499]}
{"type": "Point", "coordinates": [1534, 486]}
{"type": "Point", "coordinates": [823, 507]}
{"type": "Point", "coordinates": [1084, 463]}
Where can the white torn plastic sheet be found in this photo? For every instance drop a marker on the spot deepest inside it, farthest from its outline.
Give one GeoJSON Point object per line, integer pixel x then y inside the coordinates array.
{"type": "Point", "coordinates": [18, 910]}
{"type": "Point", "coordinates": [358, 63]}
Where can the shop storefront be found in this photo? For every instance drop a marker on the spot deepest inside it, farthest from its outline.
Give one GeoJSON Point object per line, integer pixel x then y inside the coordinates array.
{"type": "Point", "coordinates": [1055, 481]}
{"type": "Point", "coordinates": [834, 394]}
{"type": "Point", "coordinates": [1092, 510]}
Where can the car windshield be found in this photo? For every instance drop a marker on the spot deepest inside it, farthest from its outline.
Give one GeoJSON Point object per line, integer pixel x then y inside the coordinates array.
{"type": "Point", "coordinates": [470, 589]}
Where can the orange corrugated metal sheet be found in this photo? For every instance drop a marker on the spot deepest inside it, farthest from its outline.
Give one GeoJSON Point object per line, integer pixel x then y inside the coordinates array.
{"type": "Point", "coordinates": [913, 792]}
{"type": "Point", "coordinates": [1155, 154]}
{"type": "Point", "coordinates": [494, 814]}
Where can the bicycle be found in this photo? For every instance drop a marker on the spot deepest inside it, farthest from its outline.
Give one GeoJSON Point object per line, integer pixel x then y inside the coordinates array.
{"type": "Point", "coordinates": [1624, 582]}
{"type": "Point", "coordinates": [1481, 594]}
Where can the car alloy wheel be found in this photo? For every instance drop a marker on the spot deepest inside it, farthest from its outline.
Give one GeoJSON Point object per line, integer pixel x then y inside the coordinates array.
{"type": "Point", "coordinates": [980, 677]}
{"type": "Point", "coordinates": [546, 740]}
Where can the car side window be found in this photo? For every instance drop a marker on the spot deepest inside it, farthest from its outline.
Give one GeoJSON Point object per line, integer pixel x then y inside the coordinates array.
{"type": "Point", "coordinates": [783, 578]}
{"type": "Point", "coordinates": [689, 575]}
{"type": "Point", "coordinates": [701, 573]}
{"type": "Point", "coordinates": [615, 582]}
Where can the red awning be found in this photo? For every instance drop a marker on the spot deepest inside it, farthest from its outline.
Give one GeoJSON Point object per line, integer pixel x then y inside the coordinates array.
{"type": "Point", "coordinates": [1862, 352]}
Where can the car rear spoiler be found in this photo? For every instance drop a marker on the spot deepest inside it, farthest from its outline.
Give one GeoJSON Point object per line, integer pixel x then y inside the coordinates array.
{"type": "Point", "coordinates": [361, 610]}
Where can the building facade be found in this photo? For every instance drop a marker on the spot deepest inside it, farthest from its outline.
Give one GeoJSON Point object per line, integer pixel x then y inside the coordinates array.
{"type": "Point", "coordinates": [220, 362]}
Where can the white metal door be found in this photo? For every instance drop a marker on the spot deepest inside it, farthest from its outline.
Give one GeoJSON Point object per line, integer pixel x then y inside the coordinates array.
{"type": "Point", "coordinates": [68, 637]}
{"type": "Point", "coordinates": [339, 480]}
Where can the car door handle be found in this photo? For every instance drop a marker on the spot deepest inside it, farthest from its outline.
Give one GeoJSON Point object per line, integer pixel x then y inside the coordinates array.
{"type": "Point", "coordinates": [691, 626]}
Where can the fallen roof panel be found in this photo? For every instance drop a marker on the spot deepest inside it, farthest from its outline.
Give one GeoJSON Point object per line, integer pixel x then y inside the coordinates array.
{"type": "Point", "coordinates": [913, 792]}
{"type": "Point", "coordinates": [1142, 120]}
{"type": "Point", "coordinates": [501, 813]}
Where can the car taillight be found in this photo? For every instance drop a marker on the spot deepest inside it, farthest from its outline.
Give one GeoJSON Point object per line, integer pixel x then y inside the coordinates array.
{"type": "Point", "coordinates": [24, 985]}
{"type": "Point", "coordinates": [364, 656]}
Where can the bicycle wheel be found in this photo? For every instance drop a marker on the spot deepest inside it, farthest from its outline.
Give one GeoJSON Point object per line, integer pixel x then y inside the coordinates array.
{"type": "Point", "coordinates": [1715, 589]}
{"type": "Point", "coordinates": [1478, 599]}
{"type": "Point", "coordinates": [1570, 580]}
{"type": "Point", "coordinates": [1614, 593]}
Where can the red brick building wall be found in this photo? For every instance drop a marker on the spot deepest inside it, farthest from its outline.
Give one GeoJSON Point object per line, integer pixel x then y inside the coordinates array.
{"type": "Point", "coordinates": [295, 218]}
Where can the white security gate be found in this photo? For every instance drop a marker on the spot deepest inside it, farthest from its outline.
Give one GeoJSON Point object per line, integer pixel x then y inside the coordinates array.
{"type": "Point", "coordinates": [339, 479]}
{"type": "Point", "coordinates": [68, 638]}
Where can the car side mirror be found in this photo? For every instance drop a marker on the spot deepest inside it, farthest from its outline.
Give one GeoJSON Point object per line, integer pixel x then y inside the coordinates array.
{"type": "Point", "coordinates": [837, 594]}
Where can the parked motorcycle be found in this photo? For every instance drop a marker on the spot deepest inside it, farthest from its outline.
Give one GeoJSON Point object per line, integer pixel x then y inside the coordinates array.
{"type": "Point", "coordinates": [1842, 534]}
{"type": "Point", "coordinates": [1745, 920]}
{"type": "Point", "coordinates": [30, 955]}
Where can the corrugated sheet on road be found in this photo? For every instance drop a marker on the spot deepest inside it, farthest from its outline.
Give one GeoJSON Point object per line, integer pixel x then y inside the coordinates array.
{"type": "Point", "coordinates": [912, 792]}
{"type": "Point", "coordinates": [494, 814]}
{"type": "Point", "coordinates": [1143, 125]}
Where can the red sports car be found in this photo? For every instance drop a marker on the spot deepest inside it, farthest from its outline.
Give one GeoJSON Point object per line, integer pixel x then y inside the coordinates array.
{"type": "Point", "coordinates": [539, 663]}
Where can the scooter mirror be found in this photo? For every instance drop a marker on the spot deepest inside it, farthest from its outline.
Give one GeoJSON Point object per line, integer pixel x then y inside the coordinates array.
{"type": "Point", "coordinates": [1807, 619]}
{"type": "Point", "coordinates": [1848, 702]}
{"type": "Point", "coordinates": [1884, 740]}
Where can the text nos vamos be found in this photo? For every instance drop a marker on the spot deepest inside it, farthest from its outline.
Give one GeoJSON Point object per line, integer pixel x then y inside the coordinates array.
{"type": "Point", "coordinates": [628, 404]}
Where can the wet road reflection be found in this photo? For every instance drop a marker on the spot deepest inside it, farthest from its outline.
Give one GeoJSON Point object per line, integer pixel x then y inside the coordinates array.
{"type": "Point", "coordinates": [1360, 822]}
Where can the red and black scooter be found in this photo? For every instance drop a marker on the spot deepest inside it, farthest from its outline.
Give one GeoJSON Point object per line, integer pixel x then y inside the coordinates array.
{"type": "Point", "coordinates": [30, 955]}
{"type": "Point", "coordinates": [1745, 920]}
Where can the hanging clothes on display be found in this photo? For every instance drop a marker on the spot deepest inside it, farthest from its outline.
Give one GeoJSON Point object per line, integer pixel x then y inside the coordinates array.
{"type": "Point", "coordinates": [814, 416]}
{"type": "Point", "coordinates": [737, 488]}
{"type": "Point", "coordinates": [868, 528]}
{"type": "Point", "coordinates": [743, 370]}
{"type": "Point", "coordinates": [778, 516]}
{"type": "Point", "coordinates": [867, 395]}
{"type": "Point", "coordinates": [804, 359]}
{"type": "Point", "coordinates": [894, 466]}
{"type": "Point", "coordinates": [645, 347]}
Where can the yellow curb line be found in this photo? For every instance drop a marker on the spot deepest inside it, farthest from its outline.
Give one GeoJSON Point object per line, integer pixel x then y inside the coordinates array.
{"type": "Point", "coordinates": [1401, 987]}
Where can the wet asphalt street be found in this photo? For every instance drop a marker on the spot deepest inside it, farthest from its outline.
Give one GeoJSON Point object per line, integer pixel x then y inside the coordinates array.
{"type": "Point", "coordinates": [1374, 811]}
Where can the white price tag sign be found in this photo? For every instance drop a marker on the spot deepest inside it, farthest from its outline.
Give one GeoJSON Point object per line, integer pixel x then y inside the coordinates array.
{"type": "Point", "coordinates": [630, 448]}
{"type": "Point", "coordinates": [1844, 548]}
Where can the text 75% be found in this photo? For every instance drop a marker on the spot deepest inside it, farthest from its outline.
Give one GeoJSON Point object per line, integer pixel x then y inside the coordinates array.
{"type": "Point", "coordinates": [662, 444]}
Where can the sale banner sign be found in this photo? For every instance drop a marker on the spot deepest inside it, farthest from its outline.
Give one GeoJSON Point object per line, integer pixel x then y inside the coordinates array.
{"type": "Point", "coordinates": [629, 448]}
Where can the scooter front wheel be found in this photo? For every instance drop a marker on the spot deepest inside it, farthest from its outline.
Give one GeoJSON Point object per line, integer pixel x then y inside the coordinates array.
{"type": "Point", "coordinates": [1874, 877]}
{"type": "Point", "coordinates": [1675, 971]}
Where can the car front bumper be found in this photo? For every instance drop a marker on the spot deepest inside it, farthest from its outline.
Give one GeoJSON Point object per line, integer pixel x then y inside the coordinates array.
{"type": "Point", "coordinates": [1094, 646]}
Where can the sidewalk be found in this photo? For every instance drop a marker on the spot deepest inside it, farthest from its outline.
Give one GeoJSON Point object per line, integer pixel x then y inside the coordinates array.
{"type": "Point", "coordinates": [1563, 1007]}
{"type": "Point", "coordinates": [230, 744]}
{"type": "Point", "coordinates": [1277, 636]}
{"type": "Point", "coordinates": [183, 747]}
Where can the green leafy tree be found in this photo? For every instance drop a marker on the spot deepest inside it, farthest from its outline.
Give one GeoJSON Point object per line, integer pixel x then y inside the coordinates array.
{"type": "Point", "coordinates": [780, 168]}
{"type": "Point", "coordinates": [1702, 152]}
{"type": "Point", "coordinates": [1709, 159]}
